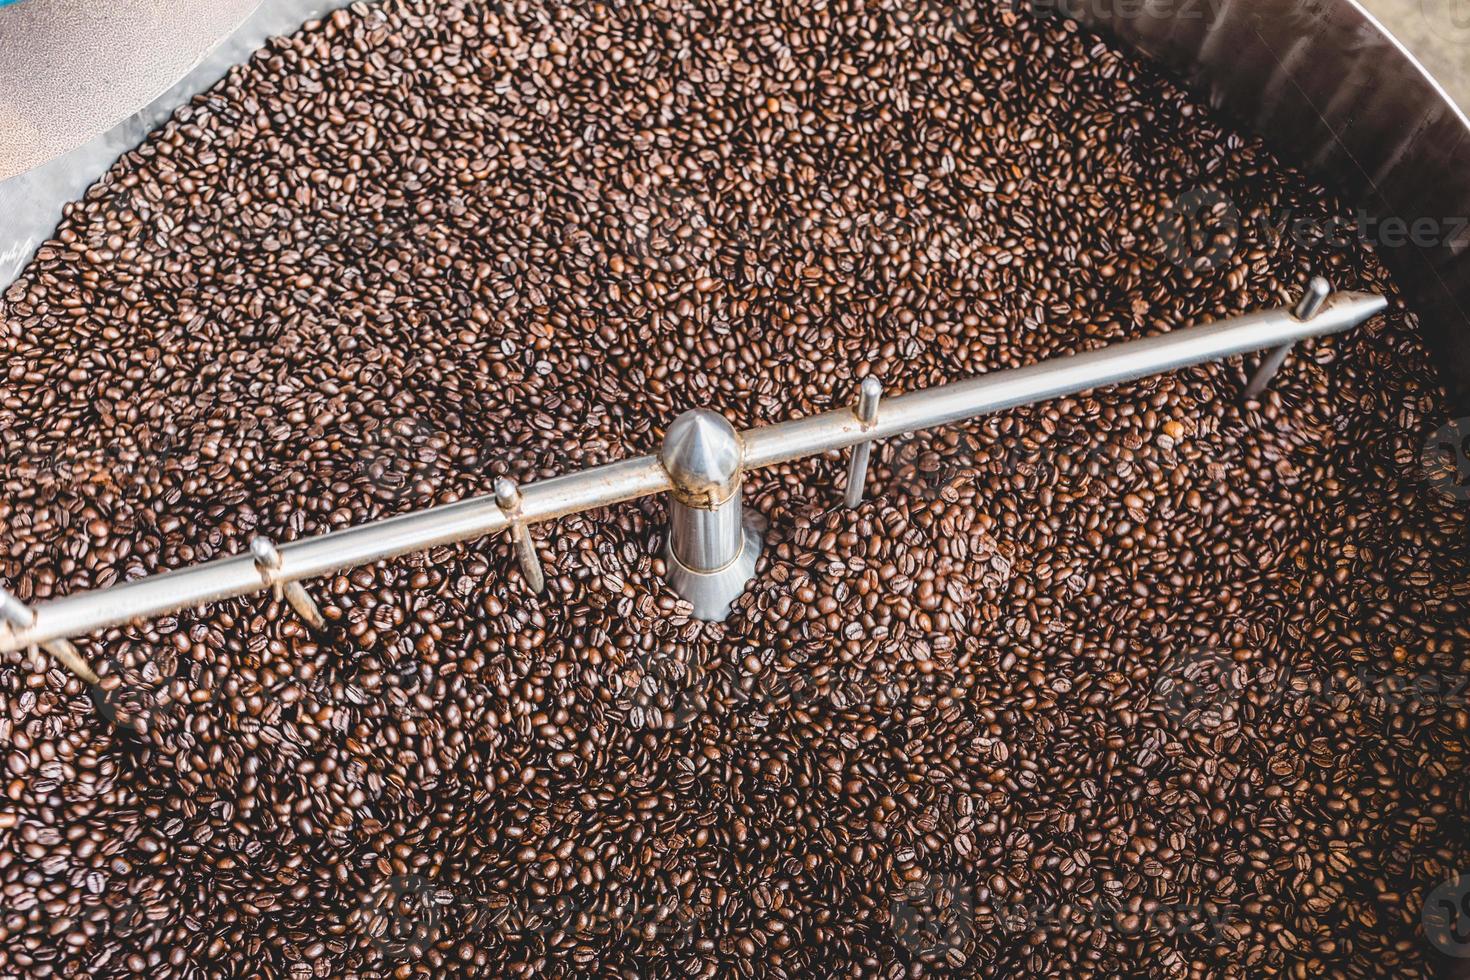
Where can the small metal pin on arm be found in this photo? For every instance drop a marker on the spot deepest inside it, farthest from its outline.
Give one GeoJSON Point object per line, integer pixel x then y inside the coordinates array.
{"type": "Point", "coordinates": [268, 563]}
{"type": "Point", "coordinates": [508, 498]}
{"type": "Point", "coordinates": [19, 615]}
{"type": "Point", "coordinates": [1306, 308]}
{"type": "Point", "coordinates": [866, 411]}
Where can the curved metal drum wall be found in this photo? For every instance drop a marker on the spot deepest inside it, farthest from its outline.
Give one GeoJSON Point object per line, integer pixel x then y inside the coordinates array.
{"type": "Point", "coordinates": [1332, 90]}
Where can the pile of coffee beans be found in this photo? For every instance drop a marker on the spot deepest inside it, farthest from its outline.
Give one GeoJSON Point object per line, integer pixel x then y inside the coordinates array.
{"type": "Point", "coordinates": [1151, 681]}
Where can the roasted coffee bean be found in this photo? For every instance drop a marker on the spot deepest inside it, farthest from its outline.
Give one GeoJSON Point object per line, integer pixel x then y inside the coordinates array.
{"type": "Point", "coordinates": [1147, 681]}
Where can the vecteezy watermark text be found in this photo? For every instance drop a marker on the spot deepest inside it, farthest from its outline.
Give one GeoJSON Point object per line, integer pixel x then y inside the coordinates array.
{"type": "Point", "coordinates": [403, 915]}
{"type": "Point", "coordinates": [1204, 689]}
{"type": "Point", "coordinates": [1204, 228]}
{"type": "Point", "coordinates": [937, 917]}
{"type": "Point", "coordinates": [1446, 917]}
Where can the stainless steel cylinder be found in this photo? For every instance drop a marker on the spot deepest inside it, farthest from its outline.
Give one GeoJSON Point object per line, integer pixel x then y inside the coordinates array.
{"type": "Point", "coordinates": [706, 540]}
{"type": "Point", "coordinates": [711, 552]}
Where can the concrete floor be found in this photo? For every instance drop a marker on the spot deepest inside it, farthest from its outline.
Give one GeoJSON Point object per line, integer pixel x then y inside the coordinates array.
{"type": "Point", "coordinates": [1438, 32]}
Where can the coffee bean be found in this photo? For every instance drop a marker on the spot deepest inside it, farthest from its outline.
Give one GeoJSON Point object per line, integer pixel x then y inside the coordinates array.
{"type": "Point", "coordinates": [1095, 687]}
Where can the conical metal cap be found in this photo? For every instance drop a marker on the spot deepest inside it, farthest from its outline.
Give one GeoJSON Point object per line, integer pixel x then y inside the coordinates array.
{"type": "Point", "coordinates": [703, 455]}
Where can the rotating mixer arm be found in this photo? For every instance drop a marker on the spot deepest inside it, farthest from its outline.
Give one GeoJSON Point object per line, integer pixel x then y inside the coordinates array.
{"type": "Point", "coordinates": [693, 536]}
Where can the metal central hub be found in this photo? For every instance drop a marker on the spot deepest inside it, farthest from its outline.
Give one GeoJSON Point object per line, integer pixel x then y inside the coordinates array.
{"type": "Point", "coordinates": [704, 456]}
{"type": "Point", "coordinates": [711, 552]}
